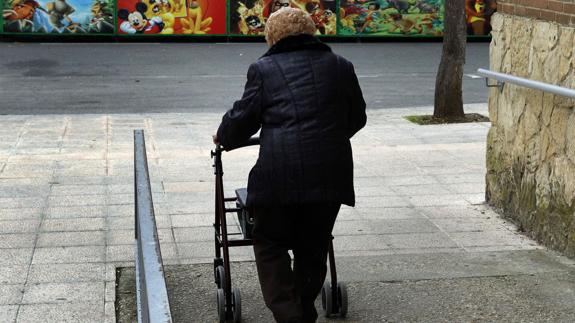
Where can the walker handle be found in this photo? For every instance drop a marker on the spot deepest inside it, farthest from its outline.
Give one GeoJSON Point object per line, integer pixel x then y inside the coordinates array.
{"type": "Point", "coordinates": [253, 141]}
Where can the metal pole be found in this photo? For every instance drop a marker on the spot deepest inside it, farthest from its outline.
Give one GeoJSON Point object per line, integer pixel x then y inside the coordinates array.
{"type": "Point", "coordinates": [152, 293]}
{"type": "Point", "coordinates": [545, 87]}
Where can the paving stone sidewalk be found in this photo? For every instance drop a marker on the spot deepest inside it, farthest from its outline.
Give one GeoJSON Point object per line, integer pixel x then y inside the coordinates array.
{"type": "Point", "coordinates": [66, 205]}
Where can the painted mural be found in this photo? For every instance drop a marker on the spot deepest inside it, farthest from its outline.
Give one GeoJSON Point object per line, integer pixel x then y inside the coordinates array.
{"type": "Point", "coordinates": [391, 17]}
{"type": "Point", "coordinates": [395, 18]}
{"type": "Point", "coordinates": [172, 17]}
{"type": "Point", "coordinates": [478, 14]}
{"type": "Point", "coordinates": [248, 17]}
{"type": "Point", "coordinates": [59, 16]}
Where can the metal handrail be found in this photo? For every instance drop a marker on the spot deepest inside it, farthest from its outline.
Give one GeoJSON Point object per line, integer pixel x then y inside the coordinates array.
{"type": "Point", "coordinates": [506, 78]}
{"type": "Point", "coordinates": [152, 296]}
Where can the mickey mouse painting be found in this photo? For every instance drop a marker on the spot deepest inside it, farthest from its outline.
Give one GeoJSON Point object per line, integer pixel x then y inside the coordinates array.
{"type": "Point", "coordinates": [136, 22]}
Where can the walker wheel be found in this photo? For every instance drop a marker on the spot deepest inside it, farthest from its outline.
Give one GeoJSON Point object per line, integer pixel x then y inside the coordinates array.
{"type": "Point", "coordinates": [237, 302]}
{"type": "Point", "coordinates": [221, 277]}
{"type": "Point", "coordinates": [221, 299]}
{"type": "Point", "coordinates": [217, 262]}
{"type": "Point", "coordinates": [327, 299]}
{"type": "Point", "coordinates": [342, 298]}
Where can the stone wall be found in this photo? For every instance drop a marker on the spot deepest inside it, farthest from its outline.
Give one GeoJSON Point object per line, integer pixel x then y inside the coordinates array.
{"type": "Point", "coordinates": [531, 144]}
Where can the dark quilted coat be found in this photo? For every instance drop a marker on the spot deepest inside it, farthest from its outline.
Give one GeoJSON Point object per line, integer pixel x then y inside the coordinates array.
{"type": "Point", "coordinates": [308, 104]}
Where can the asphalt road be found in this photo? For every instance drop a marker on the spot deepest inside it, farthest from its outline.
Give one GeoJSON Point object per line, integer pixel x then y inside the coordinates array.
{"type": "Point", "coordinates": [70, 78]}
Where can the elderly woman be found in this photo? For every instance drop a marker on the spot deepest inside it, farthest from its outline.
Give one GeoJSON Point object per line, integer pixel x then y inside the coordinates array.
{"type": "Point", "coordinates": [308, 104]}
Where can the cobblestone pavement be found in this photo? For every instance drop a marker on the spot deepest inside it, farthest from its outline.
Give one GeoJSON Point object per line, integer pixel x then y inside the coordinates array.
{"type": "Point", "coordinates": [66, 202]}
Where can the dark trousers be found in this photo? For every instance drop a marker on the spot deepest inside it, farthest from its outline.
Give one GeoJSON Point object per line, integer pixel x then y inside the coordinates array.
{"type": "Point", "coordinates": [289, 292]}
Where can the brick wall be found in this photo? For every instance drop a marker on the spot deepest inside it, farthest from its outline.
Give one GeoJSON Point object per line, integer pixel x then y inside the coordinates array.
{"type": "Point", "coordinates": [559, 11]}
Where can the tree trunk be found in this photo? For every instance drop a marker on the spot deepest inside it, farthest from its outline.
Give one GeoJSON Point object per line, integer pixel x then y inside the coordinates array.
{"type": "Point", "coordinates": [448, 85]}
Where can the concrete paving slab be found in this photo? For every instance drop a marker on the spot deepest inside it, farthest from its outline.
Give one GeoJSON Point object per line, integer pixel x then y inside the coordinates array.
{"type": "Point", "coordinates": [8, 313]}
{"type": "Point", "coordinates": [73, 212]}
{"type": "Point", "coordinates": [16, 256]}
{"type": "Point", "coordinates": [70, 239]}
{"type": "Point", "coordinates": [67, 273]}
{"type": "Point", "coordinates": [11, 294]}
{"type": "Point", "coordinates": [73, 224]}
{"type": "Point", "coordinates": [16, 240]}
{"type": "Point", "coordinates": [13, 274]}
{"type": "Point", "coordinates": [64, 312]}
{"type": "Point", "coordinates": [70, 255]}
{"type": "Point", "coordinates": [64, 292]}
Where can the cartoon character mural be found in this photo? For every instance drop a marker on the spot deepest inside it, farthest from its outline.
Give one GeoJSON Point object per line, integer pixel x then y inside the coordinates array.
{"type": "Point", "coordinates": [179, 17]}
{"type": "Point", "coordinates": [391, 17]}
{"type": "Point", "coordinates": [248, 17]}
{"type": "Point", "coordinates": [59, 16]}
{"type": "Point", "coordinates": [479, 15]}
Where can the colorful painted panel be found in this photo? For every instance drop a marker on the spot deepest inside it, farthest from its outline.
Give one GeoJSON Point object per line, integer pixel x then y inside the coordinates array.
{"type": "Point", "coordinates": [248, 17]}
{"type": "Point", "coordinates": [167, 17]}
{"type": "Point", "coordinates": [59, 16]}
{"type": "Point", "coordinates": [479, 15]}
{"type": "Point", "coordinates": [391, 17]}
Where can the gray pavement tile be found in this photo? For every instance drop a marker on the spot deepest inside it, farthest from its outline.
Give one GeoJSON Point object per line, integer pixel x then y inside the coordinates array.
{"type": "Point", "coordinates": [359, 242]}
{"type": "Point", "coordinates": [84, 200]}
{"type": "Point", "coordinates": [194, 234]}
{"type": "Point", "coordinates": [406, 180]}
{"type": "Point", "coordinates": [14, 191]}
{"type": "Point", "coordinates": [80, 180]}
{"type": "Point", "coordinates": [169, 251]}
{"type": "Point", "coordinates": [478, 178]}
{"type": "Point", "coordinates": [13, 274]}
{"type": "Point", "coordinates": [390, 213]}
{"type": "Point", "coordinates": [67, 273]}
{"type": "Point", "coordinates": [466, 188]}
{"type": "Point", "coordinates": [471, 224]}
{"type": "Point", "coordinates": [27, 173]}
{"type": "Point", "coordinates": [464, 211]}
{"type": "Point", "coordinates": [24, 202]}
{"type": "Point", "coordinates": [422, 189]}
{"type": "Point", "coordinates": [373, 191]}
{"type": "Point", "coordinates": [205, 250]}
{"type": "Point", "coordinates": [121, 199]}
{"type": "Point", "coordinates": [129, 188]}
{"type": "Point", "coordinates": [437, 200]}
{"type": "Point", "coordinates": [192, 220]}
{"type": "Point", "coordinates": [67, 164]}
{"type": "Point", "coordinates": [100, 171]}
{"type": "Point", "coordinates": [19, 214]}
{"type": "Point", "coordinates": [477, 198]}
{"type": "Point", "coordinates": [10, 294]}
{"type": "Point", "coordinates": [418, 241]}
{"type": "Point", "coordinates": [68, 239]}
{"type": "Point", "coordinates": [66, 190]}
{"type": "Point", "coordinates": [15, 240]}
{"type": "Point", "coordinates": [19, 256]}
{"type": "Point", "coordinates": [8, 313]}
{"type": "Point", "coordinates": [64, 292]}
{"type": "Point", "coordinates": [122, 210]}
{"type": "Point", "coordinates": [188, 187]}
{"type": "Point", "coordinates": [385, 227]}
{"type": "Point", "coordinates": [74, 224]}
{"type": "Point", "coordinates": [109, 312]}
{"type": "Point", "coordinates": [64, 212]}
{"type": "Point", "coordinates": [19, 226]}
{"type": "Point", "coordinates": [120, 253]}
{"type": "Point", "coordinates": [490, 239]}
{"type": "Point", "coordinates": [63, 313]}
{"type": "Point", "coordinates": [71, 255]}
{"type": "Point", "coordinates": [382, 202]}
{"type": "Point", "coordinates": [119, 237]}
